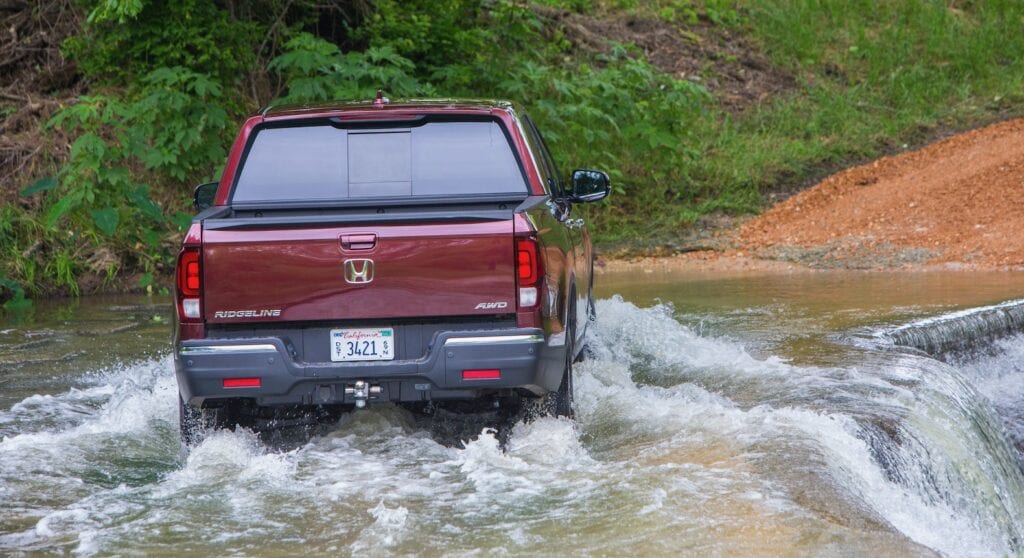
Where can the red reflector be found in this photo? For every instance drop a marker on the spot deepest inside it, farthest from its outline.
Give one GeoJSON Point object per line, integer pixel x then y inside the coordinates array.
{"type": "Point", "coordinates": [242, 382]}
{"type": "Point", "coordinates": [488, 374]}
{"type": "Point", "coordinates": [526, 260]}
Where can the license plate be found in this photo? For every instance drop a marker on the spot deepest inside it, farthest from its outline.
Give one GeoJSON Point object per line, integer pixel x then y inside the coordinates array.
{"type": "Point", "coordinates": [362, 344]}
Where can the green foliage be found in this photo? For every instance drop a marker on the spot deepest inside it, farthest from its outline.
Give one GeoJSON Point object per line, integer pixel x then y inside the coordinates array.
{"type": "Point", "coordinates": [690, 12]}
{"type": "Point", "coordinates": [173, 126]}
{"type": "Point", "coordinates": [435, 33]}
{"type": "Point", "coordinates": [128, 39]}
{"type": "Point", "coordinates": [63, 268]}
{"type": "Point", "coordinates": [115, 10]}
{"type": "Point", "coordinates": [105, 220]}
{"type": "Point", "coordinates": [624, 117]}
{"type": "Point", "coordinates": [316, 70]}
{"type": "Point", "coordinates": [178, 126]}
{"type": "Point", "coordinates": [42, 185]}
{"type": "Point", "coordinates": [16, 300]}
{"type": "Point", "coordinates": [578, 6]}
{"type": "Point", "coordinates": [875, 75]}
{"type": "Point", "coordinates": [170, 81]}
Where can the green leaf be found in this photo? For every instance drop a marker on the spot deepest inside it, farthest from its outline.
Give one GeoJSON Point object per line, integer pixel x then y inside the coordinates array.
{"type": "Point", "coordinates": [115, 10]}
{"type": "Point", "coordinates": [105, 219]}
{"type": "Point", "coordinates": [18, 300]}
{"type": "Point", "coordinates": [182, 220]}
{"type": "Point", "coordinates": [41, 185]}
{"type": "Point", "coordinates": [59, 209]}
{"type": "Point", "coordinates": [146, 280]}
{"type": "Point", "coordinates": [141, 200]}
{"type": "Point", "coordinates": [151, 238]}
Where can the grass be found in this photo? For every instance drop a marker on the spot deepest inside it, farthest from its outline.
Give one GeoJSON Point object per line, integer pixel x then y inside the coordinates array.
{"type": "Point", "coordinates": [871, 77]}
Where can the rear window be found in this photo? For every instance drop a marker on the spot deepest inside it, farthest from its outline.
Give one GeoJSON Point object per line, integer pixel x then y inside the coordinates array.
{"type": "Point", "coordinates": [328, 163]}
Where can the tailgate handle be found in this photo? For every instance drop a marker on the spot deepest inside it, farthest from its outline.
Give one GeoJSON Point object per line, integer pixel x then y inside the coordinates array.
{"type": "Point", "coordinates": [358, 241]}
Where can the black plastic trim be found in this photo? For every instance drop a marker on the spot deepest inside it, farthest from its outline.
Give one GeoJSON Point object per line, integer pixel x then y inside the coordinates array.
{"type": "Point", "coordinates": [524, 365]}
{"type": "Point", "coordinates": [352, 218]}
{"type": "Point", "coordinates": [403, 201]}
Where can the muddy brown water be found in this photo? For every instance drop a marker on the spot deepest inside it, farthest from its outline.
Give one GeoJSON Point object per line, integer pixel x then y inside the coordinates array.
{"type": "Point", "coordinates": [718, 414]}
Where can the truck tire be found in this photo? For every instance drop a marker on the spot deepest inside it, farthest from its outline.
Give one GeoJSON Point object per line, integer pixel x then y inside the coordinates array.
{"type": "Point", "coordinates": [561, 403]}
{"type": "Point", "coordinates": [193, 422]}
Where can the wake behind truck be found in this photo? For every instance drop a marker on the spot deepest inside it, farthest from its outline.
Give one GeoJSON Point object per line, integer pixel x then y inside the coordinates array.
{"type": "Point", "coordinates": [421, 252]}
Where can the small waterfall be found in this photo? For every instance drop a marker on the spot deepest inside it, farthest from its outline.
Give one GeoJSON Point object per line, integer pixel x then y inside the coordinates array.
{"type": "Point", "coordinates": [977, 356]}
{"type": "Point", "coordinates": [904, 440]}
{"type": "Point", "coordinates": [959, 331]}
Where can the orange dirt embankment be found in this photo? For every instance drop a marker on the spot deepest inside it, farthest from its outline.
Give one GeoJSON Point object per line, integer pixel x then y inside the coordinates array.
{"type": "Point", "coordinates": [956, 201]}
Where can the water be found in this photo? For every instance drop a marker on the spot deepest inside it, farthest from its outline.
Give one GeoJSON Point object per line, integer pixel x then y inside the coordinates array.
{"type": "Point", "coordinates": [764, 415]}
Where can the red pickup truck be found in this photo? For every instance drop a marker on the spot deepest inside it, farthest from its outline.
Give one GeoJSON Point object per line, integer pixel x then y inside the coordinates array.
{"type": "Point", "coordinates": [420, 252]}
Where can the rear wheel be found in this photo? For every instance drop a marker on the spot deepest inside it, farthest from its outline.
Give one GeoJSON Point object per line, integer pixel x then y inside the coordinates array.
{"type": "Point", "coordinates": [560, 403]}
{"type": "Point", "coordinates": [194, 421]}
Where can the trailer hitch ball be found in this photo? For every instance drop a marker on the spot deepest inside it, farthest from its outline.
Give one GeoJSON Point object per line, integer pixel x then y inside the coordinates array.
{"type": "Point", "coordinates": [362, 391]}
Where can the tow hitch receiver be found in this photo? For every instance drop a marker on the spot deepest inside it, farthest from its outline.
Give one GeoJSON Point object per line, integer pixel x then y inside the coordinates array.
{"type": "Point", "coordinates": [362, 392]}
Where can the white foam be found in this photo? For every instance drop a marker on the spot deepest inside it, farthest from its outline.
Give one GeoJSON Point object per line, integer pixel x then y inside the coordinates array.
{"type": "Point", "coordinates": [389, 524]}
{"type": "Point", "coordinates": [609, 391]}
{"type": "Point", "coordinates": [676, 434]}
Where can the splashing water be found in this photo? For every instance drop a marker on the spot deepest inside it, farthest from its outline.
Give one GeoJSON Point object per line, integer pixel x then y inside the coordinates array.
{"type": "Point", "coordinates": [683, 444]}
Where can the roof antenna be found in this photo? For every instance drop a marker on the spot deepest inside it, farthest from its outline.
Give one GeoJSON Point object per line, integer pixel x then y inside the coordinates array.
{"type": "Point", "coordinates": [381, 100]}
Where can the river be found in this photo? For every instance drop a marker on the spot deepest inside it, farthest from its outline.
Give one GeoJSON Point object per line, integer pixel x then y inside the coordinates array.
{"type": "Point", "coordinates": [831, 413]}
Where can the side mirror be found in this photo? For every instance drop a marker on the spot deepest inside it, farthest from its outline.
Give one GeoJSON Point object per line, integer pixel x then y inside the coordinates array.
{"type": "Point", "coordinates": [590, 185]}
{"type": "Point", "coordinates": [204, 194]}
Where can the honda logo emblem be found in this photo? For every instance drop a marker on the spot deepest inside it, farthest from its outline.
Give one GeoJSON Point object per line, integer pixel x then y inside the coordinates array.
{"type": "Point", "coordinates": [358, 272]}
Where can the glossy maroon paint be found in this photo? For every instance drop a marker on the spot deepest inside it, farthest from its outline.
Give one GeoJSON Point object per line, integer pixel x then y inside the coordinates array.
{"type": "Point", "coordinates": [422, 270]}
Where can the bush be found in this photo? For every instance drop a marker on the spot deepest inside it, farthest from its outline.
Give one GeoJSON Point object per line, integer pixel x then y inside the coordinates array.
{"type": "Point", "coordinates": [127, 39]}
{"type": "Point", "coordinates": [623, 117]}
{"type": "Point", "coordinates": [316, 70]}
{"type": "Point", "coordinates": [173, 129]}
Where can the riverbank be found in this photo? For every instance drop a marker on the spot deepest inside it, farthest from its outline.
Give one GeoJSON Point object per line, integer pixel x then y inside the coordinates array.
{"type": "Point", "coordinates": [698, 110]}
{"type": "Point", "coordinates": [956, 204]}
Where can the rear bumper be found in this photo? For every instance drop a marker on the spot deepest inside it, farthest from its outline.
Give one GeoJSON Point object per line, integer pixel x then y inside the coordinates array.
{"type": "Point", "coordinates": [527, 360]}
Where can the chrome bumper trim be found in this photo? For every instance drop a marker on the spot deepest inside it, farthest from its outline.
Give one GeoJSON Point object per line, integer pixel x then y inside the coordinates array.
{"type": "Point", "coordinates": [494, 340]}
{"type": "Point", "coordinates": [227, 349]}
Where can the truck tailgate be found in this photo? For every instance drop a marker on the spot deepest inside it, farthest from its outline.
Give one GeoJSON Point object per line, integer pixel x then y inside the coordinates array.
{"type": "Point", "coordinates": [329, 273]}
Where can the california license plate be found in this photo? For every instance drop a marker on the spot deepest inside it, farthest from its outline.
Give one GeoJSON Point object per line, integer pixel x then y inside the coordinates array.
{"type": "Point", "coordinates": [362, 344]}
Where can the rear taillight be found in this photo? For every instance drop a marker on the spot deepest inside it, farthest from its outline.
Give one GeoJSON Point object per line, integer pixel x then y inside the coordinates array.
{"type": "Point", "coordinates": [526, 259]}
{"type": "Point", "coordinates": [528, 271]}
{"type": "Point", "coordinates": [190, 285]}
{"type": "Point", "coordinates": [189, 280]}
